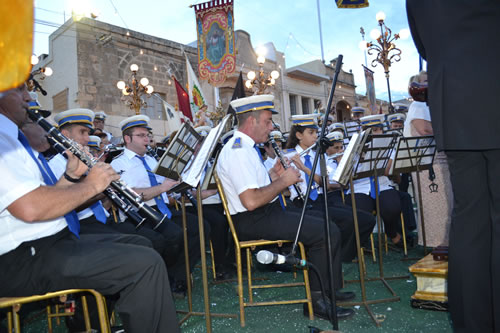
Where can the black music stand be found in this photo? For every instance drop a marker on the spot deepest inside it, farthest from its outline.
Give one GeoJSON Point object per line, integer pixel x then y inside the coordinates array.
{"type": "Point", "coordinates": [366, 156]}
{"type": "Point", "coordinates": [190, 176]}
{"type": "Point", "coordinates": [178, 153]}
{"type": "Point", "coordinates": [351, 127]}
{"type": "Point", "coordinates": [415, 154]}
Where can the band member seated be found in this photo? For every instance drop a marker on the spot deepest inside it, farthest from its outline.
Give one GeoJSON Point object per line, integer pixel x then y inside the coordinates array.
{"type": "Point", "coordinates": [76, 124]}
{"type": "Point", "coordinates": [304, 134]}
{"type": "Point", "coordinates": [99, 122]}
{"type": "Point", "coordinates": [396, 121]}
{"type": "Point", "coordinates": [357, 113]}
{"type": "Point", "coordinates": [389, 198]}
{"type": "Point", "coordinates": [252, 195]}
{"type": "Point", "coordinates": [270, 153]}
{"type": "Point", "coordinates": [135, 167]}
{"type": "Point", "coordinates": [41, 249]}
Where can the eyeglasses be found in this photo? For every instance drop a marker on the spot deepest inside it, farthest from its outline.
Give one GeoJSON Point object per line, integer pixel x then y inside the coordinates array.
{"type": "Point", "coordinates": [143, 135]}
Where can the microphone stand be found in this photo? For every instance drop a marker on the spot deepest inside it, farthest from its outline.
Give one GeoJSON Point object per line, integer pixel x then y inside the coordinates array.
{"type": "Point", "coordinates": [320, 150]}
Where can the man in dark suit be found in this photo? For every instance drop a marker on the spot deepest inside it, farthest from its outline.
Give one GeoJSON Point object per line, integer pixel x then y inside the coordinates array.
{"type": "Point", "coordinates": [459, 40]}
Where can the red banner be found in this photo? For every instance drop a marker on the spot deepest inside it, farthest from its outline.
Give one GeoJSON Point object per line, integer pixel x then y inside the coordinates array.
{"type": "Point", "coordinates": [183, 99]}
{"type": "Point", "coordinates": [216, 50]}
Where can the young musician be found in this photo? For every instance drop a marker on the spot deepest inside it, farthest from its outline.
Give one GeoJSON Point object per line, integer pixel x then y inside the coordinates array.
{"type": "Point", "coordinates": [303, 135]}
{"type": "Point", "coordinates": [389, 199]}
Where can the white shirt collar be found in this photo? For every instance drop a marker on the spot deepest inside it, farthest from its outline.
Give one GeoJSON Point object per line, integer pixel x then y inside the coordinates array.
{"type": "Point", "coordinates": [129, 153]}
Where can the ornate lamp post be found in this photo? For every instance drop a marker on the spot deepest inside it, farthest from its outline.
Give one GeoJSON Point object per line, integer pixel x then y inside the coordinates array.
{"type": "Point", "coordinates": [133, 90]}
{"type": "Point", "coordinates": [40, 74]}
{"type": "Point", "coordinates": [260, 81]}
{"type": "Point", "coordinates": [386, 50]}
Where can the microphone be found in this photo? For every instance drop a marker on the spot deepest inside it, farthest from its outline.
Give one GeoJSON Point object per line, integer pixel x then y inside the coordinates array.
{"type": "Point", "coordinates": [267, 257]}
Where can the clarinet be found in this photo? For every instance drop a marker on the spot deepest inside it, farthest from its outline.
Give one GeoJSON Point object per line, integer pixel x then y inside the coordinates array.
{"type": "Point", "coordinates": [153, 153]}
{"type": "Point", "coordinates": [120, 201]}
{"type": "Point", "coordinates": [118, 186]}
{"type": "Point", "coordinates": [280, 156]}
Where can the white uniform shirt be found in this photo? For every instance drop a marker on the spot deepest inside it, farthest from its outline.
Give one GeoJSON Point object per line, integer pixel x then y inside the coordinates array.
{"type": "Point", "coordinates": [58, 166]}
{"type": "Point", "coordinates": [240, 168]}
{"type": "Point", "coordinates": [134, 174]}
{"type": "Point", "coordinates": [20, 175]}
{"type": "Point", "coordinates": [331, 167]}
{"type": "Point", "coordinates": [269, 163]}
{"type": "Point", "coordinates": [303, 184]}
{"type": "Point", "coordinates": [363, 185]}
{"type": "Point", "coordinates": [417, 110]}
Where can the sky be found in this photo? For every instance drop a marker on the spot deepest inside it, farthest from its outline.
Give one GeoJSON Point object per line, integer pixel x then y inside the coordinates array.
{"type": "Point", "coordinates": [291, 25]}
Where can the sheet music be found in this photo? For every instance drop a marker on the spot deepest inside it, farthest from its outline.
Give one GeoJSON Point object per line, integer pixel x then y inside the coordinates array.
{"type": "Point", "coordinates": [350, 158]}
{"type": "Point", "coordinates": [193, 173]}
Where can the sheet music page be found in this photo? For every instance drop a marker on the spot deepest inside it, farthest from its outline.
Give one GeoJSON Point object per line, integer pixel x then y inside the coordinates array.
{"type": "Point", "coordinates": [348, 160]}
{"type": "Point", "coordinates": [192, 175]}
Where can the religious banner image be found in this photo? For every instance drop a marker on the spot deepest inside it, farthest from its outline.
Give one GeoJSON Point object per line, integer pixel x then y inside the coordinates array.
{"type": "Point", "coordinates": [352, 3]}
{"type": "Point", "coordinates": [215, 30]}
{"type": "Point", "coordinates": [370, 90]}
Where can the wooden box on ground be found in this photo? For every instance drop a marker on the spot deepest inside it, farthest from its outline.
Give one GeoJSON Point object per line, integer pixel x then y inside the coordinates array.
{"type": "Point", "coordinates": [432, 284]}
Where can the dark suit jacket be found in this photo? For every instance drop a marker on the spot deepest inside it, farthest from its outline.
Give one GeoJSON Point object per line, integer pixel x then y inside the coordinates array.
{"type": "Point", "coordinates": [460, 39]}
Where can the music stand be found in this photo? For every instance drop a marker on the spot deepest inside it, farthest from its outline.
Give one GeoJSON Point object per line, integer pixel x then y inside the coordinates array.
{"type": "Point", "coordinates": [178, 153]}
{"type": "Point", "coordinates": [351, 127]}
{"type": "Point", "coordinates": [194, 166]}
{"type": "Point", "coordinates": [415, 154]}
{"type": "Point", "coordinates": [360, 160]}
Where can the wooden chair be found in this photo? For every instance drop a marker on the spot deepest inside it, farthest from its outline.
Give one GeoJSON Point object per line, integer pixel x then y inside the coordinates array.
{"type": "Point", "coordinates": [14, 304]}
{"type": "Point", "coordinates": [249, 246]}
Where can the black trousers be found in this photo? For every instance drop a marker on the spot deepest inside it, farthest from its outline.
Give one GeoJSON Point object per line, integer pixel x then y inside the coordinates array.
{"type": "Point", "coordinates": [219, 228]}
{"type": "Point", "coordinates": [272, 222]}
{"type": "Point", "coordinates": [109, 263]}
{"type": "Point", "coordinates": [366, 222]}
{"type": "Point", "coordinates": [390, 208]}
{"type": "Point", "coordinates": [408, 212]}
{"type": "Point", "coordinates": [474, 250]}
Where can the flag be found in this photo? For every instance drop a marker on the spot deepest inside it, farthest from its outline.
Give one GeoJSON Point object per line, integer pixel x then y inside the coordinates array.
{"type": "Point", "coordinates": [239, 92]}
{"type": "Point", "coordinates": [183, 99]}
{"type": "Point", "coordinates": [216, 49]}
{"type": "Point", "coordinates": [172, 116]}
{"type": "Point", "coordinates": [16, 42]}
{"type": "Point", "coordinates": [370, 90]}
{"type": "Point", "coordinates": [196, 98]}
{"type": "Point", "coordinates": [352, 3]}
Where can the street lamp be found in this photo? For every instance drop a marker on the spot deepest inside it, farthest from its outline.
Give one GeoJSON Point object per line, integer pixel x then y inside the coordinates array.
{"type": "Point", "coordinates": [386, 50]}
{"type": "Point", "coordinates": [40, 74]}
{"type": "Point", "coordinates": [260, 82]}
{"type": "Point", "coordinates": [133, 90]}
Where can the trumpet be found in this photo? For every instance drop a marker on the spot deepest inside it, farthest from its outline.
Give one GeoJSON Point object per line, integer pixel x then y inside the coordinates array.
{"type": "Point", "coordinates": [119, 192]}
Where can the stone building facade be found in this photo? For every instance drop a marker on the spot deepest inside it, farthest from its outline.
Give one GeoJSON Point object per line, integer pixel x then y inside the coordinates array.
{"type": "Point", "coordinates": [89, 57]}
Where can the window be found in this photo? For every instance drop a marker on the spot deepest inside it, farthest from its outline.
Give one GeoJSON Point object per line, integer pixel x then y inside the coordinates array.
{"type": "Point", "coordinates": [293, 104]}
{"type": "Point", "coordinates": [305, 105]}
{"type": "Point", "coordinates": [154, 109]}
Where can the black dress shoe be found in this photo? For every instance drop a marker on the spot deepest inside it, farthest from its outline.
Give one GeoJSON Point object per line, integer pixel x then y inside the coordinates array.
{"type": "Point", "coordinates": [322, 308]}
{"type": "Point", "coordinates": [342, 296]}
{"type": "Point", "coordinates": [179, 290]}
{"type": "Point", "coordinates": [224, 272]}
